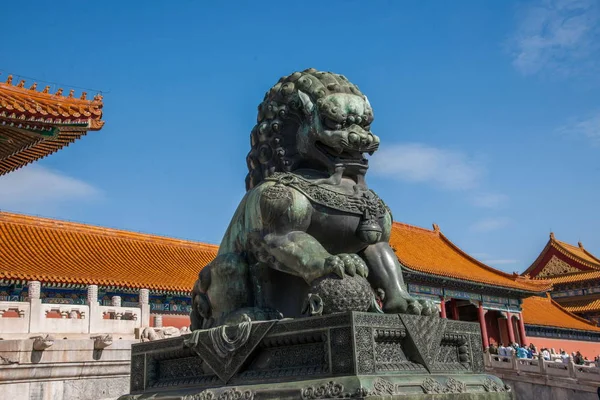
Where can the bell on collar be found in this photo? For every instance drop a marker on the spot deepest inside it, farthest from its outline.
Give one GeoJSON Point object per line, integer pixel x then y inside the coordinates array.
{"type": "Point", "coordinates": [369, 231]}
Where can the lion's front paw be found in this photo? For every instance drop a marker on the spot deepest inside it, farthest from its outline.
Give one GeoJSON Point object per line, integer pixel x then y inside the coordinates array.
{"type": "Point", "coordinates": [429, 308]}
{"type": "Point", "coordinates": [350, 264]}
{"type": "Point", "coordinates": [414, 307]}
{"type": "Point", "coordinates": [353, 265]}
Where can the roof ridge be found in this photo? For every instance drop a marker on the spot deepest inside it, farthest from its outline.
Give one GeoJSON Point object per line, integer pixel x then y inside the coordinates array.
{"type": "Point", "coordinates": [560, 246]}
{"type": "Point", "coordinates": [415, 227]}
{"type": "Point", "coordinates": [32, 92]}
{"type": "Point", "coordinates": [480, 263]}
{"type": "Point", "coordinates": [59, 224]}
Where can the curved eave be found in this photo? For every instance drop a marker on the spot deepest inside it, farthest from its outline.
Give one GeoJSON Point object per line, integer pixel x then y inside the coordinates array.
{"type": "Point", "coordinates": [476, 285]}
{"type": "Point", "coordinates": [57, 280]}
{"type": "Point", "coordinates": [566, 330]}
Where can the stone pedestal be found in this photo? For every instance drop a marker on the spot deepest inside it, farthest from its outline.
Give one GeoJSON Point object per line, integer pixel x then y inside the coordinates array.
{"type": "Point", "coordinates": [346, 355]}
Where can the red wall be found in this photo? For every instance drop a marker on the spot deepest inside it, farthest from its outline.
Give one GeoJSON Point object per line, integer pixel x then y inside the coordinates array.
{"type": "Point", "coordinates": [178, 321]}
{"type": "Point", "coordinates": [588, 349]}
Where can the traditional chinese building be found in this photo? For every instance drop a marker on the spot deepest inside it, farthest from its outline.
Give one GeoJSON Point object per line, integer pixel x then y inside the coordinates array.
{"type": "Point", "coordinates": [575, 274]}
{"type": "Point", "coordinates": [66, 257]}
{"type": "Point", "coordinates": [34, 124]}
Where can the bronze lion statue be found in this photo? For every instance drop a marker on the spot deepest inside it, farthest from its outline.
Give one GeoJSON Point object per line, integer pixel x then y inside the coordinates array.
{"type": "Point", "coordinates": [309, 237]}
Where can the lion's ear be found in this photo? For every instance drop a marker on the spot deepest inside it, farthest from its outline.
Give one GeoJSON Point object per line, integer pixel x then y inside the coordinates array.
{"type": "Point", "coordinates": [307, 104]}
{"type": "Point", "coordinates": [368, 103]}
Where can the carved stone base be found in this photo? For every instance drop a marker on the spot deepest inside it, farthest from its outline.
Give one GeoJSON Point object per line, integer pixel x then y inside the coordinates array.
{"type": "Point", "coordinates": [345, 355]}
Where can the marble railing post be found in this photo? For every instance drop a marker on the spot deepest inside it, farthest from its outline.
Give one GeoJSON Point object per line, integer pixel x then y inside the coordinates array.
{"type": "Point", "coordinates": [542, 364]}
{"type": "Point", "coordinates": [144, 304]}
{"type": "Point", "coordinates": [158, 322]}
{"type": "Point", "coordinates": [92, 301]}
{"type": "Point", "coordinates": [571, 368]}
{"type": "Point", "coordinates": [116, 302]}
{"type": "Point", "coordinates": [36, 316]}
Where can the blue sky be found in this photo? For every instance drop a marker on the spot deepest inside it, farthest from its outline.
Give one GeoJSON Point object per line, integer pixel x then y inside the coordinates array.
{"type": "Point", "coordinates": [488, 112]}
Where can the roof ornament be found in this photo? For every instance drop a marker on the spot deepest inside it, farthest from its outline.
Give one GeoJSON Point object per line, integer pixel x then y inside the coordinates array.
{"type": "Point", "coordinates": [9, 80]}
{"type": "Point", "coordinates": [580, 245]}
{"type": "Point", "coordinates": [33, 87]}
{"type": "Point", "coordinates": [21, 83]}
{"type": "Point", "coordinates": [436, 227]}
{"type": "Point", "coordinates": [59, 92]}
{"type": "Point", "coordinates": [71, 93]}
{"type": "Point", "coordinates": [83, 95]}
{"type": "Point", "coordinates": [552, 236]}
{"type": "Point", "coordinates": [46, 89]}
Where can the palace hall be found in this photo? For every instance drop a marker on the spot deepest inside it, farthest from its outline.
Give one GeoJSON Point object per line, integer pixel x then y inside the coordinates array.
{"type": "Point", "coordinates": [552, 304]}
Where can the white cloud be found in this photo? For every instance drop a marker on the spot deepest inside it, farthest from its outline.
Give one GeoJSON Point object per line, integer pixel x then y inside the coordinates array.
{"type": "Point", "coordinates": [588, 127]}
{"type": "Point", "coordinates": [490, 224]}
{"type": "Point", "coordinates": [419, 163]}
{"type": "Point", "coordinates": [556, 36]}
{"type": "Point", "coordinates": [490, 200]}
{"type": "Point", "coordinates": [35, 189]}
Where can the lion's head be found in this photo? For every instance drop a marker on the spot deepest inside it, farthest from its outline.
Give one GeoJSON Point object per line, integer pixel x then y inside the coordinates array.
{"type": "Point", "coordinates": [311, 119]}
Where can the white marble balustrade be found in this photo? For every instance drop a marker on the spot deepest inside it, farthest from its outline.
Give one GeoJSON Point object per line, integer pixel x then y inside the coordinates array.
{"type": "Point", "coordinates": [585, 374]}
{"type": "Point", "coordinates": [33, 316]}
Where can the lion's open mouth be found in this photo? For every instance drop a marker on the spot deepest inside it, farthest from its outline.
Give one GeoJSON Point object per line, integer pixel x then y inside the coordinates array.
{"type": "Point", "coordinates": [344, 156]}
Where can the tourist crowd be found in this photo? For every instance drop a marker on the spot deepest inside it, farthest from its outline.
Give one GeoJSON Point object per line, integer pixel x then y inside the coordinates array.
{"type": "Point", "coordinates": [522, 351]}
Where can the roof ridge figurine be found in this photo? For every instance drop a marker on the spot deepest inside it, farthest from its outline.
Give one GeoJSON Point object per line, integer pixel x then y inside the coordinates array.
{"type": "Point", "coordinates": [309, 235]}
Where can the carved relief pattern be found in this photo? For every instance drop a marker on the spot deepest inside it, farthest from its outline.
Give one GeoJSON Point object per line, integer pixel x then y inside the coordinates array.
{"type": "Point", "coordinates": [455, 386]}
{"type": "Point", "coordinates": [364, 349]}
{"type": "Point", "coordinates": [206, 395]}
{"type": "Point", "coordinates": [476, 354]}
{"type": "Point", "coordinates": [355, 204]}
{"type": "Point", "coordinates": [341, 351]}
{"type": "Point", "coordinates": [331, 390]}
{"type": "Point", "coordinates": [35, 289]}
{"type": "Point", "coordinates": [235, 394]}
{"type": "Point", "coordinates": [180, 368]}
{"type": "Point", "coordinates": [556, 266]}
{"type": "Point", "coordinates": [430, 385]}
{"type": "Point", "coordinates": [492, 386]}
{"type": "Point", "coordinates": [137, 372]}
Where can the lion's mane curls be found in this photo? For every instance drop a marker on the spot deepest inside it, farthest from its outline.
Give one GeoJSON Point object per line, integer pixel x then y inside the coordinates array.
{"type": "Point", "coordinates": [273, 138]}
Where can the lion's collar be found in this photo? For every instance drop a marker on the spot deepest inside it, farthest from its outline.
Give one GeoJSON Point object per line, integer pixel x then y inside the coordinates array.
{"type": "Point", "coordinates": [356, 203]}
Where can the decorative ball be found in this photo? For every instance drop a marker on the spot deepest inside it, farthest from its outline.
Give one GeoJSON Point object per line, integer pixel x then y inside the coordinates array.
{"type": "Point", "coordinates": [352, 293]}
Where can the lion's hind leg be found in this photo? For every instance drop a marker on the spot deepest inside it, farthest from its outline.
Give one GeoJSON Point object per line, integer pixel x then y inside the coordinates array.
{"type": "Point", "coordinates": [229, 285]}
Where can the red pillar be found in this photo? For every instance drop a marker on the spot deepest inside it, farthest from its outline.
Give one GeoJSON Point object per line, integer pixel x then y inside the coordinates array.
{"type": "Point", "coordinates": [509, 326]}
{"type": "Point", "coordinates": [524, 340]}
{"type": "Point", "coordinates": [484, 334]}
{"type": "Point", "coordinates": [454, 307]}
{"type": "Point", "coordinates": [443, 308]}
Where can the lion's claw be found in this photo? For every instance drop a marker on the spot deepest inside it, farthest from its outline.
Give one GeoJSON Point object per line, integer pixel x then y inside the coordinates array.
{"type": "Point", "coordinates": [349, 264]}
{"type": "Point", "coordinates": [335, 265]}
